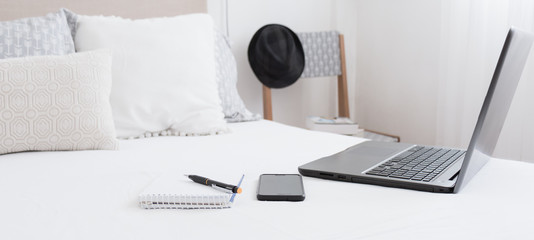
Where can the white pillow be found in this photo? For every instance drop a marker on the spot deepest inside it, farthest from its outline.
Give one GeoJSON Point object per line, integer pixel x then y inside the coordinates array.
{"type": "Point", "coordinates": [56, 103]}
{"type": "Point", "coordinates": [163, 73]}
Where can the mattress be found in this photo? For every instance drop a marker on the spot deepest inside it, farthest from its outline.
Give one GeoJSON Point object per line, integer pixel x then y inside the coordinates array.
{"type": "Point", "coordinates": [93, 194]}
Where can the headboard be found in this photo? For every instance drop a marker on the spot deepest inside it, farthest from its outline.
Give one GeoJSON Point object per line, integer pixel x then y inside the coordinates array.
{"type": "Point", "coordinates": [13, 9]}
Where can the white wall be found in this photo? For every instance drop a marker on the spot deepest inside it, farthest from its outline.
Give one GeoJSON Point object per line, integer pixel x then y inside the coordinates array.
{"type": "Point", "coordinates": [416, 68]}
{"type": "Point", "coordinates": [306, 97]}
{"type": "Point", "coordinates": [397, 68]}
{"type": "Point", "coordinates": [473, 33]}
{"type": "Point", "coordinates": [423, 69]}
{"type": "Point", "coordinates": [374, 99]}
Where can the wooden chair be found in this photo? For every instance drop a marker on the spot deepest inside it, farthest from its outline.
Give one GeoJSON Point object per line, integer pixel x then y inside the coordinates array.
{"type": "Point", "coordinates": [324, 54]}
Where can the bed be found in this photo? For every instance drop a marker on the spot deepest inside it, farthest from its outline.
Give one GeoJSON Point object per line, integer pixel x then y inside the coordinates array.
{"type": "Point", "coordinates": [94, 194]}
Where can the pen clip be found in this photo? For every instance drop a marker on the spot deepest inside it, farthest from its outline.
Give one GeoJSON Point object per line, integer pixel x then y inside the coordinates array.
{"type": "Point", "coordinates": [221, 189]}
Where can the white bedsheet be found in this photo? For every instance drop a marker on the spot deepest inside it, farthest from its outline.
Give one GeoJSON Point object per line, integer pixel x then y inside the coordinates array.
{"type": "Point", "coordinates": [93, 194]}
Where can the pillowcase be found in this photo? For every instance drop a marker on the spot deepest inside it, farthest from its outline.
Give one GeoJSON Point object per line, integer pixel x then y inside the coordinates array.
{"type": "Point", "coordinates": [226, 76]}
{"type": "Point", "coordinates": [233, 106]}
{"type": "Point", "coordinates": [47, 35]}
{"type": "Point", "coordinates": [52, 103]}
{"type": "Point", "coordinates": [163, 73]}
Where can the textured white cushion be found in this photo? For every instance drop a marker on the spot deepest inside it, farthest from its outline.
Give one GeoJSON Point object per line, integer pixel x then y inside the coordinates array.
{"type": "Point", "coordinates": [56, 103]}
{"type": "Point", "coordinates": [163, 73]}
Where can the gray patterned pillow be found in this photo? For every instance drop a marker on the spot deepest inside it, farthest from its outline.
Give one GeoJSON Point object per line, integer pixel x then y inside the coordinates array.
{"type": "Point", "coordinates": [52, 103]}
{"type": "Point", "coordinates": [233, 106]}
{"type": "Point", "coordinates": [47, 35]}
{"type": "Point", "coordinates": [72, 21]}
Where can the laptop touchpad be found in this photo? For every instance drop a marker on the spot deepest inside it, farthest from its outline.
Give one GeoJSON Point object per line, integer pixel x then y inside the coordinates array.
{"type": "Point", "coordinates": [370, 153]}
{"type": "Point", "coordinates": [378, 152]}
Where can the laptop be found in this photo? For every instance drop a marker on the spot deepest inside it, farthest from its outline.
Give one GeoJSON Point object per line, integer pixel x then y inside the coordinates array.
{"type": "Point", "coordinates": [434, 169]}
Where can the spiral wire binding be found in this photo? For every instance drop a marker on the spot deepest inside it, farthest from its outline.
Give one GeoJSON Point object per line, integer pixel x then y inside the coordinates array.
{"type": "Point", "coordinates": [172, 201]}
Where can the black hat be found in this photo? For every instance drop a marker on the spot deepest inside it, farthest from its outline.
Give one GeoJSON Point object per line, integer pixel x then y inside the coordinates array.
{"type": "Point", "coordinates": [276, 56]}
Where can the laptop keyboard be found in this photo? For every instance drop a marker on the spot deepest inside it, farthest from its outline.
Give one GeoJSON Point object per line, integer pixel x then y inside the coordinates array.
{"type": "Point", "coordinates": [418, 163]}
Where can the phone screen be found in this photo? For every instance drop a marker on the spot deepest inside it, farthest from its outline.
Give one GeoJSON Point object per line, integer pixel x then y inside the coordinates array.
{"type": "Point", "coordinates": [281, 187]}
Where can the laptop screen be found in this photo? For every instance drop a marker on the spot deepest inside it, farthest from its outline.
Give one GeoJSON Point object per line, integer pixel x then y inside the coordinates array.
{"type": "Point", "coordinates": [496, 104]}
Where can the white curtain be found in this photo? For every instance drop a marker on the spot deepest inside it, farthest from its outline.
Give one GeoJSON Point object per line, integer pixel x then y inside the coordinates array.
{"type": "Point", "coordinates": [473, 33]}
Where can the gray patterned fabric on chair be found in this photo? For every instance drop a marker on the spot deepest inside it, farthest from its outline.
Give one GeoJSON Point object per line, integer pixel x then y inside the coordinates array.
{"type": "Point", "coordinates": [322, 54]}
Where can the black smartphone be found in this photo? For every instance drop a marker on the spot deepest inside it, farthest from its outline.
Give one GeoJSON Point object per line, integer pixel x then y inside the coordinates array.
{"type": "Point", "coordinates": [281, 187]}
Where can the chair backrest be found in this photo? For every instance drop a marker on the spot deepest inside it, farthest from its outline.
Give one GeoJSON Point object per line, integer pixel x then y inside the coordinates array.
{"type": "Point", "coordinates": [321, 54]}
{"type": "Point", "coordinates": [324, 54]}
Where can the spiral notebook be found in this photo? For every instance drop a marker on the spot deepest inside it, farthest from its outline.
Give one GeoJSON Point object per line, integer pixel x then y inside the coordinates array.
{"type": "Point", "coordinates": [175, 191]}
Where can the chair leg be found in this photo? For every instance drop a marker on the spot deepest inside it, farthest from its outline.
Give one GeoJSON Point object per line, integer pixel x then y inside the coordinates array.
{"type": "Point", "coordinates": [342, 87]}
{"type": "Point", "coordinates": [267, 104]}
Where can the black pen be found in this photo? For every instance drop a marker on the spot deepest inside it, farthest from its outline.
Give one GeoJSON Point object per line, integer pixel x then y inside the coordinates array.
{"type": "Point", "coordinates": [215, 184]}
